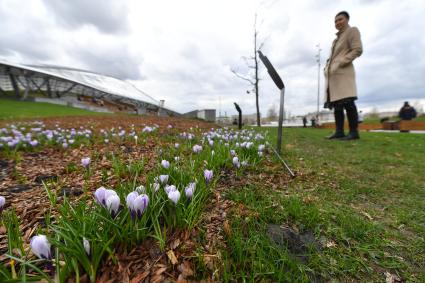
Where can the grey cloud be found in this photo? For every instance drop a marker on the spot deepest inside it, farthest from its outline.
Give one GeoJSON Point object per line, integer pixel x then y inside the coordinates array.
{"type": "Point", "coordinates": [107, 16]}
{"type": "Point", "coordinates": [116, 63]}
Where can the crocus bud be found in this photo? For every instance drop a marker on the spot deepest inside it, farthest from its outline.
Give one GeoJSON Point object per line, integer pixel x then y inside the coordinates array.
{"type": "Point", "coordinates": [176, 145]}
{"type": "Point", "coordinates": [86, 245]}
{"type": "Point", "coordinates": [190, 189]}
{"type": "Point", "coordinates": [2, 203]}
{"type": "Point", "coordinates": [236, 162]}
{"type": "Point", "coordinates": [40, 246]}
{"type": "Point", "coordinates": [174, 196]}
{"type": "Point", "coordinates": [232, 152]}
{"type": "Point", "coordinates": [163, 179]}
{"type": "Point", "coordinates": [261, 147]}
{"type": "Point", "coordinates": [208, 174]}
{"type": "Point", "coordinates": [141, 189]}
{"type": "Point", "coordinates": [165, 164]}
{"type": "Point", "coordinates": [155, 187]}
{"type": "Point", "coordinates": [85, 161]}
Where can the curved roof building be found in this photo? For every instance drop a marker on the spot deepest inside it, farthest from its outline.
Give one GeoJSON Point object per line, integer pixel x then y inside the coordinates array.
{"type": "Point", "coordinates": [57, 82]}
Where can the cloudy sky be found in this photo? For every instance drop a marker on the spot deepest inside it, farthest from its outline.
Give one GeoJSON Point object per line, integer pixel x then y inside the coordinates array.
{"type": "Point", "coordinates": [184, 51]}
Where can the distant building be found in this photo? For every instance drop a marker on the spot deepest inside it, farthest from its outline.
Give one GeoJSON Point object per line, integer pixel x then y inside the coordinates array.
{"type": "Point", "coordinates": [77, 88]}
{"type": "Point", "coordinates": [204, 114]}
{"type": "Point", "coordinates": [249, 119]}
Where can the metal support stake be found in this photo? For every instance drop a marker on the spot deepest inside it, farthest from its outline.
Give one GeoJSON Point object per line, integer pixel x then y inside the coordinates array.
{"type": "Point", "coordinates": [279, 130]}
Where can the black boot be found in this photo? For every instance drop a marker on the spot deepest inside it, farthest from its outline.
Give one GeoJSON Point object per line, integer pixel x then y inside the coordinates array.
{"type": "Point", "coordinates": [353, 121]}
{"type": "Point", "coordinates": [339, 124]}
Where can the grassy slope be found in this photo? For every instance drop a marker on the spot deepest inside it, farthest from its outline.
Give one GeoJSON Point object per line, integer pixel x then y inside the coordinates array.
{"type": "Point", "coordinates": [365, 200]}
{"type": "Point", "coordinates": [13, 109]}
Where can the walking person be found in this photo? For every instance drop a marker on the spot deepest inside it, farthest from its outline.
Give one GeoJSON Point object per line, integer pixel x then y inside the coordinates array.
{"type": "Point", "coordinates": [340, 86]}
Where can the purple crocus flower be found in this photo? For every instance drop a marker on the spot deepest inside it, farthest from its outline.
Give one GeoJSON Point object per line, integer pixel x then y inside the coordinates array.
{"type": "Point", "coordinates": [208, 174]}
{"type": "Point", "coordinates": [130, 198]}
{"type": "Point", "coordinates": [113, 204]}
{"type": "Point", "coordinates": [170, 188]}
{"type": "Point", "coordinates": [137, 204]}
{"type": "Point", "coordinates": [165, 164]}
{"type": "Point", "coordinates": [197, 148]}
{"type": "Point", "coordinates": [140, 204]}
{"type": "Point", "coordinates": [108, 199]}
{"type": "Point", "coordinates": [34, 143]}
{"type": "Point", "coordinates": [261, 147]}
{"type": "Point", "coordinates": [99, 195]}
{"type": "Point", "coordinates": [2, 203]}
{"type": "Point", "coordinates": [85, 161]}
{"type": "Point", "coordinates": [174, 196]}
{"type": "Point", "coordinates": [40, 246]}
{"type": "Point", "coordinates": [190, 189]}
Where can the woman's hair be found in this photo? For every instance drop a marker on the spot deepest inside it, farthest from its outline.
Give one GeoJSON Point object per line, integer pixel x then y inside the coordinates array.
{"type": "Point", "coordinates": [344, 13]}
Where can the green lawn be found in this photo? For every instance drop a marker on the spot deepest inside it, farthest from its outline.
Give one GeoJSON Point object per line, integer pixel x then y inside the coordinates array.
{"type": "Point", "coordinates": [363, 200]}
{"type": "Point", "coordinates": [14, 109]}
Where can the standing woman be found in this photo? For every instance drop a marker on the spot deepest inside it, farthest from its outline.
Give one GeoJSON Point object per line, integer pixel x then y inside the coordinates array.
{"type": "Point", "coordinates": [341, 90]}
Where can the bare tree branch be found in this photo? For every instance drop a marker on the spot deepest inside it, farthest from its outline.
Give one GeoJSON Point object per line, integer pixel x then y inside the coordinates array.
{"type": "Point", "coordinates": [242, 77]}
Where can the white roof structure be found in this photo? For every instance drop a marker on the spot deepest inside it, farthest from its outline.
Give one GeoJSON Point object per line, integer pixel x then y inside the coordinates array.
{"type": "Point", "coordinates": [57, 81]}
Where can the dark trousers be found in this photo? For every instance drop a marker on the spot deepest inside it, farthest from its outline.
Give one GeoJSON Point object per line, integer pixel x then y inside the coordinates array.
{"type": "Point", "coordinates": [353, 118]}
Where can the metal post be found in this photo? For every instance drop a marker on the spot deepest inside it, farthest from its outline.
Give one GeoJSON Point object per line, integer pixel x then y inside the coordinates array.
{"type": "Point", "coordinates": [279, 130]}
{"type": "Point", "coordinates": [14, 84]}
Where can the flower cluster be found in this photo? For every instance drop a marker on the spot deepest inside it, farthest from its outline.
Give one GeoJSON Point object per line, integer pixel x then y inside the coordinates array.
{"type": "Point", "coordinates": [109, 199]}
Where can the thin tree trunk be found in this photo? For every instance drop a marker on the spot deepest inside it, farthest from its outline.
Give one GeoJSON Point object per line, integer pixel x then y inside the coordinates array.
{"type": "Point", "coordinates": [256, 75]}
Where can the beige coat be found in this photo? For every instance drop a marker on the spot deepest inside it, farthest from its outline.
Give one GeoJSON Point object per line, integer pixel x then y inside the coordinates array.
{"type": "Point", "coordinates": [339, 70]}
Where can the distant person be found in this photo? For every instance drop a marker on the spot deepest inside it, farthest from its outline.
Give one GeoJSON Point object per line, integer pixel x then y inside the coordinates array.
{"type": "Point", "coordinates": [407, 112]}
{"type": "Point", "coordinates": [313, 122]}
{"type": "Point", "coordinates": [305, 122]}
{"type": "Point", "coordinates": [341, 90]}
{"type": "Point", "coordinates": [361, 117]}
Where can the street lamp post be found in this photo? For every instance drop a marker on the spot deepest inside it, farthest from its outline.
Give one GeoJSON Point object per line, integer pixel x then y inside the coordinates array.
{"type": "Point", "coordinates": [318, 77]}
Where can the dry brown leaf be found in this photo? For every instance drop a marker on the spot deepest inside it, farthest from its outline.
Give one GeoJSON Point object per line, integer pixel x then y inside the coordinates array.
{"type": "Point", "coordinates": [367, 215]}
{"type": "Point", "coordinates": [160, 271]}
{"type": "Point", "coordinates": [185, 269]}
{"type": "Point", "coordinates": [227, 229]}
{"type": "Point", "coordinates": [181, 279]}
{"type": "Point", "coordinates": [175, 244]}
{"type": "Point", "coordinates": [172, 257]}
{"type": "Point", "coordinates": [139, 277]}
